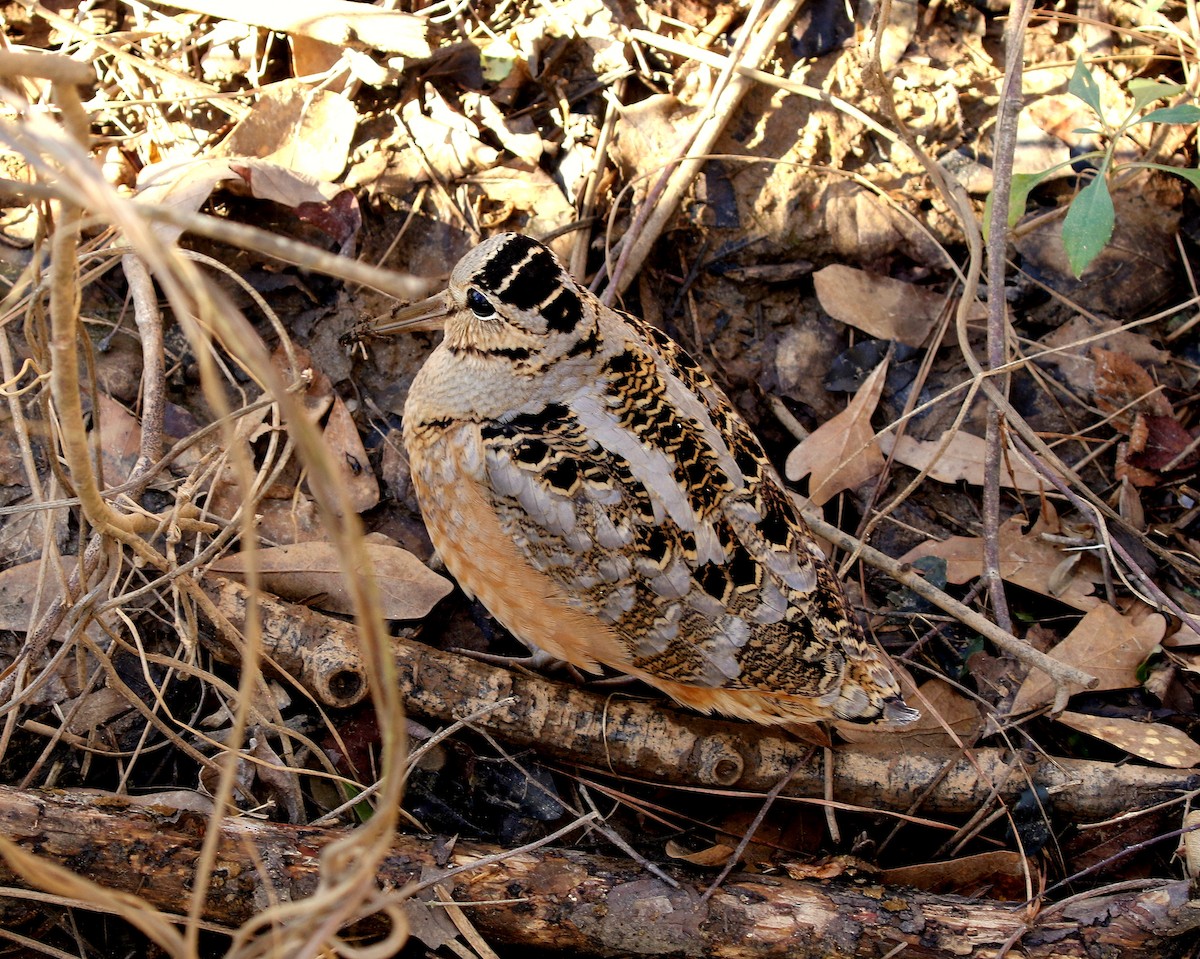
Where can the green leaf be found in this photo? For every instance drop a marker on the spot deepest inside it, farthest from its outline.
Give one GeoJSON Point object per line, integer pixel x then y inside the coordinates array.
{"type": "Point", "coordinates": [1192, 176]}
{"type": "Point", "coordinates": [1018, 197]}
{"type": "Point", "coordinates": [1023, 184]}
{"type": "Point", "coordinates": [1147, 91]}
{"type": "Point", "coordinates": [1181, 113]}
{"type": "Point", "coordinates": [1088, 225]}
{"type": "Point", "coordinates": [1084, 86]}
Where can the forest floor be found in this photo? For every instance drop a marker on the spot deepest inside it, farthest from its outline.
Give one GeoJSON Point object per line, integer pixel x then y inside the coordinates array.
{"type": "Point", "coordinates": [994, 431]}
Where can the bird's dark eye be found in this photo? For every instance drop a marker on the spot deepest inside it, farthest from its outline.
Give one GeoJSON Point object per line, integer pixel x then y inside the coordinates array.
{"type": "Point", "coordinates": [479, 304]}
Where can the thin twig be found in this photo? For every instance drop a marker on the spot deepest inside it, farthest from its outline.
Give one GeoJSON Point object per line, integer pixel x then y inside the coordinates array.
{"type": "Point", "coordinates": [1062, 673]}
{"type": "Point", "coordinates": [1005, 141]}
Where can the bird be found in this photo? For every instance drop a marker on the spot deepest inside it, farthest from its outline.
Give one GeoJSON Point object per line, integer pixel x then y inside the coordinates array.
{"type": "Point", "coordinates": [584, 478]}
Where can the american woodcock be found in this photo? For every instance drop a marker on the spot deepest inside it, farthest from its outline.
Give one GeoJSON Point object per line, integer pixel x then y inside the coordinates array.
{"type": "Point", "coordinates": [583, 477]}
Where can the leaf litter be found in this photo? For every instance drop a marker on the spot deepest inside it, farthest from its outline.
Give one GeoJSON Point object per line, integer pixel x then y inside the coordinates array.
{"type": "Point", "coordinates": [812, 230]}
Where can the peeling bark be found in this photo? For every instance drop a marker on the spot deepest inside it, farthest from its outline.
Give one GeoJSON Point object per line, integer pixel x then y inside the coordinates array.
{"type": "Point", "coordinates": [649, 739]}
{"type": "Point", "coordinates": [572, 900]}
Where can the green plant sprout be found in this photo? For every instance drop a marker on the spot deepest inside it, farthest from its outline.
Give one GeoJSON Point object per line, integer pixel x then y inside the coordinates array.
{"type": "Point", "coordinates": [1088, 225]}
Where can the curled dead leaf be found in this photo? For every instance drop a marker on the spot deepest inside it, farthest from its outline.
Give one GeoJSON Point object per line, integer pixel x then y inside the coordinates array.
{"type": "Point", "coordinates": [313, 572]}
{"type": "Point", "coordinates": [714, 856]}
{"type": "Point", "coordinates": [830, 868]}
{"type": "Point", "coordinates": [842, 453]}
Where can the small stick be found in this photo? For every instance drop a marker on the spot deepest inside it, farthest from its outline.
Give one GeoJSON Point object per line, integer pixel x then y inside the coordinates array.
{"type": "Point", "coordinates": [1062, 674]}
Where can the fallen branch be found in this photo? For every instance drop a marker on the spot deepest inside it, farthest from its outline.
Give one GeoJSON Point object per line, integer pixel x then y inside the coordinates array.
{"type": "Point", "coordinates": [649, 739]}
{"type": "Point", "coordinates": [564, 899]}
{"type": "Point", "coordinates": [318, 651]}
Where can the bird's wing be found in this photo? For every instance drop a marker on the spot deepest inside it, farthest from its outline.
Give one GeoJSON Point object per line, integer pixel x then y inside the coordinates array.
{"type": "Point", "coordinates": [667, 523]}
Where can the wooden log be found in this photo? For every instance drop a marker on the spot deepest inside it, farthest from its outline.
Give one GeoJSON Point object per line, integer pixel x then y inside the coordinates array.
{"type": "Point", "coordinates": [565, 899]}
{"type": "Point", "coordinates": [650, 739]}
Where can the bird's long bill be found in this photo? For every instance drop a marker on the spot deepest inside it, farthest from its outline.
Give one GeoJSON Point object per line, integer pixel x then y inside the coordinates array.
{"type": "Point", "coordinates": [427, 314]}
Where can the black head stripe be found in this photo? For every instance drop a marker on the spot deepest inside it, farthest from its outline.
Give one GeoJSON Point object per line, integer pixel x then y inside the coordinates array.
{"type": "Point", "coordinates": [524, 274]}
{"type": "Point", "coordinates": [505, 260]}
{"type": "Point", "coordinates": [564, 312]}
{"type": "Point", "coordinates": [536, 281]}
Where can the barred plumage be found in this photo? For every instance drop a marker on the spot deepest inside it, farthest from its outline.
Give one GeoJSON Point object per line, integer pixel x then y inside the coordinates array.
{"type": "Point", "coordinates": [583, 477]}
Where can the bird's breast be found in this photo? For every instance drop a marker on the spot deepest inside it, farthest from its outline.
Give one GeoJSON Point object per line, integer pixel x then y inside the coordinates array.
{"type": "Point", "coordinates": [448, 472]}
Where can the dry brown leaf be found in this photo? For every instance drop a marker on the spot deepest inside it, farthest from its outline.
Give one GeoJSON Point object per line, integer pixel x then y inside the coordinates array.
{"type": "Point", "coordinates": [318, 393]}
{"type": "Point", "coordinates": [1161, 441]}
{"type": "Point", "coordinates": [281, 781]}
{"type": "Point", "coordinates": [1129, 505]}
{"type": "Point", "coordinates": [649, 136]}
{"type": "Point", "coordinates": [594, 22]}
{"type": "Point", "coordinates": [1154, 742]}
{"type": "Point", "coordinates": [120, 439]}
{"type": "Point", "coordinates": [1074, 358]}
{"type": "Point", "coordinates": [830, 868]}
{"type": "Point", "coordinates": [1190, 844]}
{"type": "Point", "coordinates": [342, 440]}
{"type": "Point", "coordinates": [310, 57]}
{"type": "Point", "coordinates": [348, 457]}
{"type": "Point", "coordinates": [517, 134]}
{"type": "Point", "coordinates": [1026, 559]}
{"type": "Point", "coordinates": [961, 461]}
{"type": "Point", "coordinates": [513, 188]}
{"type": "Point", "coordinates": [340, 22]}
{"type": "Point", "coordinates": [1062, 115]}
{"type": "Point", "coordinates": [859, 223]}
{"type": "Point", "coordinates": [1123, 384]}
{"type": "Point", "coordinates": [939, 703]}
{"type": "Point", "coordinates": [187, 185]}
{"type": "Point", "coordinates": [1106, 644]}
{"type": "Point", "coordinates": [714, 856]}
{"type": "Point", "coordinates": [429, 923]}
{"type": "Point", "coordinates": [1183, 638]}
{"type": "Point", "coordinates": [95, 709]}
{"type": "Point", "coordinates": [1001, 873]}
{"type": "Point", "coordinates": [17, 586]}
{"type": "Point", "coordinates": [305, 131]}
{"type": "Point", "coordinates": [23, 532]}
{"type": "Point", "coordinates": [12, 468]}
{"type": "Point", "coordinates": [842, 453]}
{"type": "Point", "coordinates": [878, 305]}
{"type": "Point", "coordinates": [448, 142]}
{"type": "Point", "coordinates": [312, 572]}
{"type": "Point", "coordinates": [119, 370]}
{"type": "Point", "coordinates": [284, 514]}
